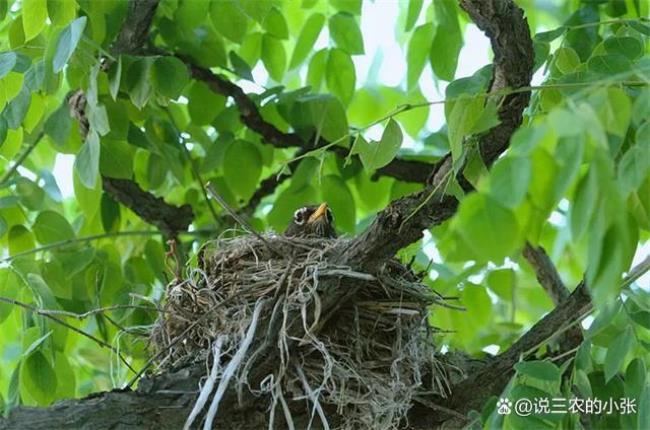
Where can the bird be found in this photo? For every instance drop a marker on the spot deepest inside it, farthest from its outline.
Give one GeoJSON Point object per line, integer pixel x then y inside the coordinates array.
{"type": "Point", "coordinates": [312, 221]}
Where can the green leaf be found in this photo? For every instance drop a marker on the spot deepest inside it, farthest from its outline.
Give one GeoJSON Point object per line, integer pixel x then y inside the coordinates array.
{"type": "Point", "coordinates": [418, 52]}
{"type": "Point", "coordinates": [35, 344]}
{"type": "Point", "coordinates": [256, 9]}
{"type": "Point", "coordinates": [115, 78]}
{"type": "Point", "coordinates": [636, 376]}
{"type": "Point", "coordinates": [116, 159]}
{"type": "Point", "coordinates": [328, 116]}
{"type": "Point", "coordinates": [155, 256]}
{"type": "Point", "coordinates": [566, 60]}
{"type": "Point", "coordinates": [87, 162]}
{"type": "Point", "coordinates": [630, 47]}
{"type": "Point", "coordinates": [240, 66]}
{"type": "Point", "coordinates": [68, 40]}
{"type": "Point", "coordinates": [98, 119]}
{"type": "Point", "coordinates": [351, 6]}
{"type": "Point", "coordinates": [306, 39]}
{"type": "Point", "coordinates": [447, 40]}
{"type": "Point", "coordinates": [3, 226]}
{"type": "Point", "coordinates": [340, 75]}
{"type": "Point", "coordinates": [412, 13]}
{"type": "Point", "coordinates": [376, 155]}
{"type": "Point", "coordinates": [274, 57]}
{"type": "Point", "coordinates": [275, 24]}
{"type": "Point", "coordinates": [9, 288]}
{"type": "Point", "coordinates": [229, 20]}
{"type": "Point", "coordinates": [17, 109]}
{"type": "Point", "coordinates": [31, 195]}
{"type": "Point", "coordinates": [584, 203]}
{"type": "Point", "coordinates": [204, 104]}
{"type": "Point", "coordinates": [51, 227]}
{"type": "Point", "coordinates": [642, 318]}
{"type": "Point", "coordinates": [509, 180]}
{"type": "Point", "coordinates": [634, 166]}
{"type": "Point", "coordinates": [486, 244]}
{"type": "Point", "coordinates": [543, 370]}
{"type": "Point", "coordinates": [617, 352]}
{"type": "Point", "coordinates": [613, 108]}
{"type": "Point", "coordinates": [38, 378]}
{"type": "Point", "coordinates": [7, 62]}
{"type": "Point", "coordinates": [316, 70]}
{"type": "Point", "coordinates": [34, 16]}
{"type": "Point", "coordinates": [549, 36]}
{"type": "Point", "coordinates": [346, 33]}
{"type": "Point", "coordinates": [461, 120]}
{"type": "Point", "coordinates": [502, 282]}
{"type": "Point", "coordinates": [61, 12]}
{"type": "Point", "coordinates": [110, 213]}
{"type": "Point", "coordinates": [138, 82]}
{"type": "Point", "coordinates": [339, 198]}
{"type": "Point", "coordinates": [609, 64]}
{"type": "Point", "coordinates": [242, 181]}
{"type": "Point", "coordinates": [58, 125]}
{"type": "Point", "coordinates": [169, 76]}
{"type": "Point", "coordinates": [20, 240]}
{"type": "Point", "coordinates": [488, 118]}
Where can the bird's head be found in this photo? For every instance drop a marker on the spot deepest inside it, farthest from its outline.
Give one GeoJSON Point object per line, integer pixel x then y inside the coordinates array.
{"type": "Point", "coordinates": [312, 221]}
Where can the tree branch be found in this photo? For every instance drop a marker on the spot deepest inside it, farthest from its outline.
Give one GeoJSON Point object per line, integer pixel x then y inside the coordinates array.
{"type": "Point", "coordinates": [170, 219]}
{"type": "Point", "coordinates": [404, 170]}
{"type": "Point", "coordinates": [403, 221]}
{"type": "Point", "coordinates": [546, 273]}
{"type": "Point", "coordinates": [135, 30]}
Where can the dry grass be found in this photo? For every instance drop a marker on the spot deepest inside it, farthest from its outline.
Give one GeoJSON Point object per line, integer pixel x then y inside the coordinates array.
{"type": "Point", "coordinates": [358, 365]}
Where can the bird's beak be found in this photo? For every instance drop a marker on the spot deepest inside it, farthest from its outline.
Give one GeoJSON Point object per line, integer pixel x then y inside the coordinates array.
{"type": "Point", "coordinates": [318, 213]}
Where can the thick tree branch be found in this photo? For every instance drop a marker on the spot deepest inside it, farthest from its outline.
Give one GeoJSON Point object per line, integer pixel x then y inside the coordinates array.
{"type": "Point", "coordinates": [135, 30]}
{"type": "Point", "coordinates": [170, 219]}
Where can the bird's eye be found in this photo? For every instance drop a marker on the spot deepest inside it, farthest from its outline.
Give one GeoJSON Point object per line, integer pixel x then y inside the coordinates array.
{"type": "Point", "coordinates": [299, 216]}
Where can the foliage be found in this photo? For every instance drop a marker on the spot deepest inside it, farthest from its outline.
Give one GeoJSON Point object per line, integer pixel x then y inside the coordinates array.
{"type": "Point", "coordinates": [576, 179]}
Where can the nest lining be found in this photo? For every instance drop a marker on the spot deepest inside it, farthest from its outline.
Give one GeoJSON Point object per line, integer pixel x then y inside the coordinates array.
{"type": "Point", "coordinates": [361, 365]}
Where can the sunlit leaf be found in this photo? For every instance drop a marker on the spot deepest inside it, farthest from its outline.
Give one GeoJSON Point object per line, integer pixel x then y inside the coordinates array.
{"type": "Point", "coordinates": [68, 40]}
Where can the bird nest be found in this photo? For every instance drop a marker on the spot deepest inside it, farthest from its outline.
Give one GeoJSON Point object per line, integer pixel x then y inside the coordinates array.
{"type": "Point", "coordinates": [259, 312]}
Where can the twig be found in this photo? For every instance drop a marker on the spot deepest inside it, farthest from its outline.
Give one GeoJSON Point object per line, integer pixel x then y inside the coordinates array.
{"type": "Point", "coordinates": [97, 311]}
{"type": "Point", "coordinates": [249, 228]}
{"type": "Point", "coordinates": [546, 273]}
{"type": "Point", "coordinates": [21, 159]}
{"type": "Point", "coordinates": [195, 171]}
{"type": "Point", "coordinates": [69, 326]}
{"type": "Point", "coordinates": [177, 339]}
{"type": "Point", "coordinates": [62, 243]}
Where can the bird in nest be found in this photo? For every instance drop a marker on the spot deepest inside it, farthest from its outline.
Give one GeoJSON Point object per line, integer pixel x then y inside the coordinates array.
{"type": "Point", "coordinates": [312, 221]}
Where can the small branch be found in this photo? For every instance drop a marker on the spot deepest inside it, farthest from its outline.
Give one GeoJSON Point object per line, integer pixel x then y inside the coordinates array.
{"type": "Point", "coordinates": [46, 314]}
{"type": "Point", "coordinates": [63, 243]}
{"type": "Point", "coordinates": [546, 273]}
{"type": "Point", "coordinates": [21, 159]}
{"type": "Point", "coordinates": [252, 118]}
